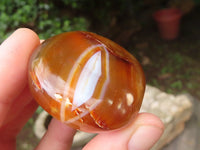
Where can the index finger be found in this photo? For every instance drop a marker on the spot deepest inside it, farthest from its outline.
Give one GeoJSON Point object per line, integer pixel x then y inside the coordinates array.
{"type": "Point", "coordinates": [14, 55]}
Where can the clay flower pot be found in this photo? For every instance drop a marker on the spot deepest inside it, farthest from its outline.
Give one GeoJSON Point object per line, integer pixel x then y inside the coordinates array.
{"type": "Point", "coordinates": [168, 21]}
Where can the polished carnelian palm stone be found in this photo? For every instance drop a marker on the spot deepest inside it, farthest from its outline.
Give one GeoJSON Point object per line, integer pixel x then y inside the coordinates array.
{"type": "Point", "coordinates": [87, 81]}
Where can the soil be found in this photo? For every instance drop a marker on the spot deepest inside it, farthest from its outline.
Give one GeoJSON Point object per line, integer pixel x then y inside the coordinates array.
{"type": "Point", "coordinates": [172, 66]}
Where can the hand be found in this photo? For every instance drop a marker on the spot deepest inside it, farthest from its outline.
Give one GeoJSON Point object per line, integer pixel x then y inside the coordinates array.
{"type": "Point", "coordinates": [17, 106]}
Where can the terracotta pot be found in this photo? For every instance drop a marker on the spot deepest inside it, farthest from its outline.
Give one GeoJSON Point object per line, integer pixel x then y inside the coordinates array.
{"type": "Point", "coordinates": [168, 21]}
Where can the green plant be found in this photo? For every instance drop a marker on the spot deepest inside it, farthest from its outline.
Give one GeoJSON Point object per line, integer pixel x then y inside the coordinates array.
{"type": "Point", "coordinates": [44, 17]}
{"type": "Point", "coordinates": [39, 110]}
{"type": "Point", "coordinates": [16, 13]}
{"type": "Point", "coordinates": [177, 85]}
{"type": "Point", "coordinates": [197, 2]}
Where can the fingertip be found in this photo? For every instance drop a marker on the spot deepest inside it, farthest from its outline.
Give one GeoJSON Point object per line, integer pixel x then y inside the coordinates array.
{"type": "Point", "coordinates": [147, 130]}
{"type": "Point", "coordinates": [149, 119]}
{"type": "Point", "coordinates": [58, 136]}
{"type": "Point", "coordinates": [19, 46]}
{"type": "Point", "coordinates": [22, 33]}
{"type": "Point", "coordinates": [28, 31]}
{"type": "Point", "coordinates": [144, 138]}
{"type": "Point", "coordinates": [61, 129]}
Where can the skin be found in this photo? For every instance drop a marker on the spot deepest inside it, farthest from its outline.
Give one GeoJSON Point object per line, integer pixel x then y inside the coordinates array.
{"type": "Point", "coordinates": [17, 106]}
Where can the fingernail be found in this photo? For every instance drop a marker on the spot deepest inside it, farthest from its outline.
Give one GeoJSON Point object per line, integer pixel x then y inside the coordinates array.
{"type": "Point", "coordinates": [144, 138]}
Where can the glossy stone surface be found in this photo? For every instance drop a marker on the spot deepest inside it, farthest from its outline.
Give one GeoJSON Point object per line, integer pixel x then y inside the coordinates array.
{"type": "Point", "coordinates": [86, 81]}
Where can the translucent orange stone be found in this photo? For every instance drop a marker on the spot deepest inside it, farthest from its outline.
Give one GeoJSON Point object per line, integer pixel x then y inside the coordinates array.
{"type": "Point", "coordinates": [87, 81]}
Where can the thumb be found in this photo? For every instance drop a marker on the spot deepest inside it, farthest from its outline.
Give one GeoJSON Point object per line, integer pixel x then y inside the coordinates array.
{"type": "Point", "coordinates": [141, 134]}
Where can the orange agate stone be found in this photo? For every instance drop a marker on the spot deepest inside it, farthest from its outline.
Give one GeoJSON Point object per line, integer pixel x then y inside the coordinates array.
{"type": "Point", "coordinates": [87, 81]}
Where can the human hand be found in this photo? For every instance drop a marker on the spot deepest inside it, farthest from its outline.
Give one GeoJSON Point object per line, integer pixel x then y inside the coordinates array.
{"type": "Point", "coordinates": [17, 106]}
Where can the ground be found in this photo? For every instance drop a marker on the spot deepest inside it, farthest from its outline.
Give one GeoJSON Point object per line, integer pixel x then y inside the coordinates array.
{"type": "Point", "coordinates": [172, 66]}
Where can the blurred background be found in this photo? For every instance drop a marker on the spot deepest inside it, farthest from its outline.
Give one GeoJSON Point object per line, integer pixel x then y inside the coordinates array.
{"type": "Point", "coordinates": [171, 65]}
